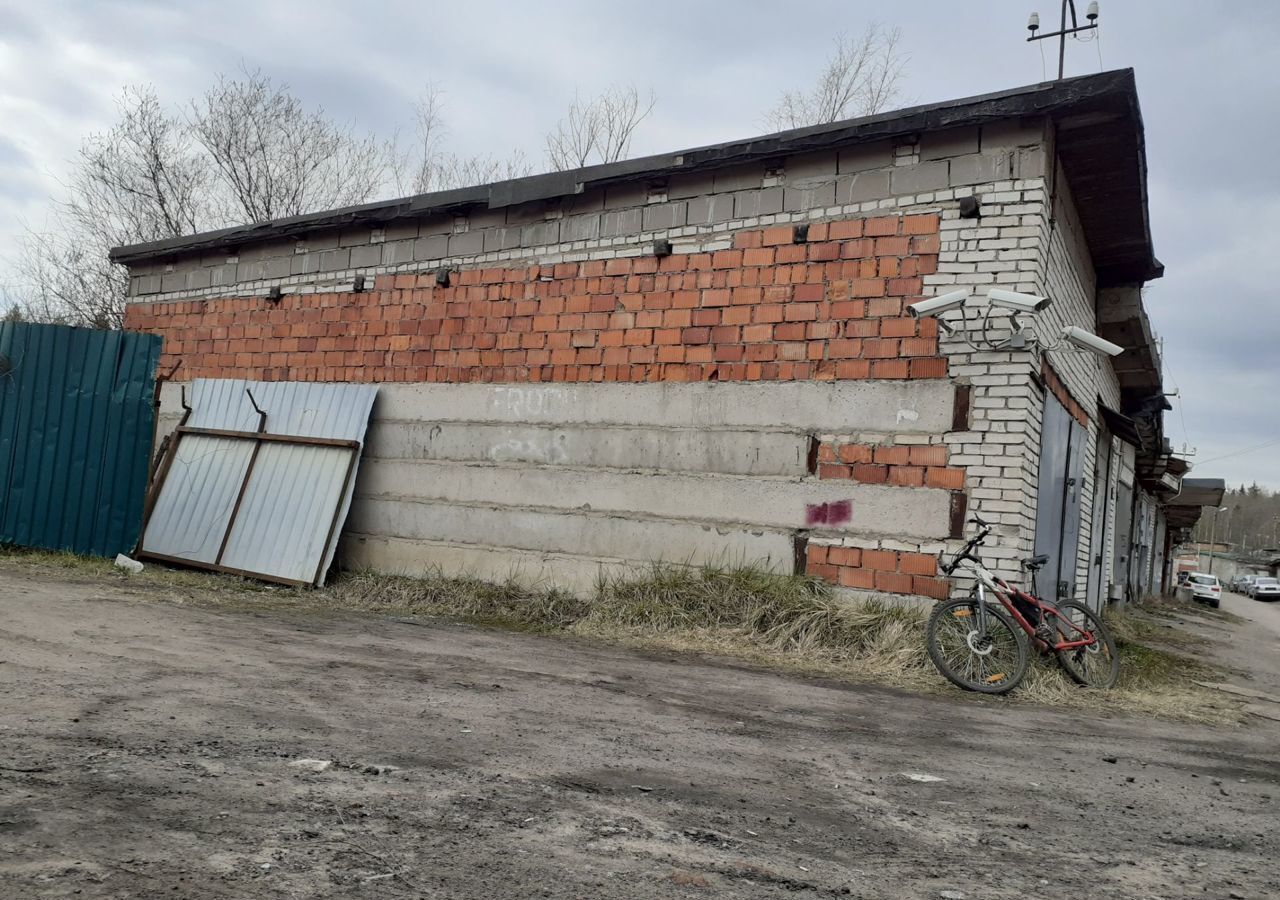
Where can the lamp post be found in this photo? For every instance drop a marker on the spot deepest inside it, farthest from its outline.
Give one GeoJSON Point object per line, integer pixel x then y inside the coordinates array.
{"type": "Point", "coordinates": [1213, 529]}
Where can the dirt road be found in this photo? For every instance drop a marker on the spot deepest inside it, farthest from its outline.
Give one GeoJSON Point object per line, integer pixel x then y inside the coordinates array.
{"type": "Point", "coordinates": [1254, 647]}
{"type": "Point", "coordinates": [152, 750]}
{"type": "Point", "coordinates": [1265, 614]}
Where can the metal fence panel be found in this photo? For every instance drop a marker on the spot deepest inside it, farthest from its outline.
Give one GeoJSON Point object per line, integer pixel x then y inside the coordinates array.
{"type": "Point", "coordinates": [76, 425]}
{"type": "Point", "coordinates": [263, 502]}
{"type": "Point", "coordinates": [288, 510]}
{"type": "Point", "coordinates": [193, 507]}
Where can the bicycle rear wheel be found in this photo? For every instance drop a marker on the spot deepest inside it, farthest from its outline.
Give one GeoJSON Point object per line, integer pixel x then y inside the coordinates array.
{"type": "Point", "coordinates": [991, 663]}
{"type": "Point", "coordinates": [1096, 665]}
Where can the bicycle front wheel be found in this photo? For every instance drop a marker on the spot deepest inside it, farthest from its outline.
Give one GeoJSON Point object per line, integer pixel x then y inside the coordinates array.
{"type": "Point", "coordinates": [990, 663]}
{"type": "Point", "coordinates": [1095, 665]}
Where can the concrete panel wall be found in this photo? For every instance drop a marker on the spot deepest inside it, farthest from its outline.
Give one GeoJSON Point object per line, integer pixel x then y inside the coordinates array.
{"type": "Point", "coordinates": [727, 451]}
{"type": "Point", "coordinates": [924, 407]}
{"type": "Point", "coordinates": [561, 483]}
{"type": "Point", "coordinates": [734, 500]}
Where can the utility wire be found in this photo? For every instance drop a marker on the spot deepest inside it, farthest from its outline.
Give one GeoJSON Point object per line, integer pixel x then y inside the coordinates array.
{"type": "Point", "coordinates": [1264, 444]}
{"type": "Point", "coordinates": [1186, 437]}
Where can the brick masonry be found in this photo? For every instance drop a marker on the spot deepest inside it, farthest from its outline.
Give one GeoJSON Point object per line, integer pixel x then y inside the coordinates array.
{"type": "Point", "coordinates": [1054, 385]}
{"type": "Point", "coordinates": [906, 466]}
{"type": "Point", "coordinates": [887, 571]}
{"type": "Point", "coordinates": [829, 304]}
{"type": "Point", "coordinates": [884, 227]}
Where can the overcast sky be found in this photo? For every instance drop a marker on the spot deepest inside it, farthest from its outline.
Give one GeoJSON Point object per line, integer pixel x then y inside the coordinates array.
{"type": "Point", "coordinates": [1209, 97]}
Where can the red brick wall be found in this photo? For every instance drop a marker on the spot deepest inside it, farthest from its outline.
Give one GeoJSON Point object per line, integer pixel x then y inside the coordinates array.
{"type": "Point", "coordinates": [915, 465]}
{"type": "Point", "coordinates": [768, 309]}
{"type": "Point", "coordinates": [909, 466]}
{"type": "Point", "coordinates": [890, 571]}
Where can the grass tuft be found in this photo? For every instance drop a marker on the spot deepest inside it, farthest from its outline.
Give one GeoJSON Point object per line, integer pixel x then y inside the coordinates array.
{"type": "Point", "coordinates": [507, 603]}
{"type": "Point", "coordinates": [784, 614]}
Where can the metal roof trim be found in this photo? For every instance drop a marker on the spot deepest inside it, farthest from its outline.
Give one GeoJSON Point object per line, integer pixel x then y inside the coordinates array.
{"type": "Point", "coordinates": [1116, 88]}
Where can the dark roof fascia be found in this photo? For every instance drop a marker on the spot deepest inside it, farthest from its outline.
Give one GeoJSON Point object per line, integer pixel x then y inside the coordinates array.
{"type": "Point", "coordinates": [1030, 101]}
{"type": "Point", "coordinates": [1199, 492]}
{"type": "Point", "coordinates": [1121, 425]}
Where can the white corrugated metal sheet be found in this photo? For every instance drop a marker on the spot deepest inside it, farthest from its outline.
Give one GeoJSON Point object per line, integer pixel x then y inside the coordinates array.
{"type": "Point", "coordinates": [191, 513]}
{"type": "Point", "coordinates": [284, 527]}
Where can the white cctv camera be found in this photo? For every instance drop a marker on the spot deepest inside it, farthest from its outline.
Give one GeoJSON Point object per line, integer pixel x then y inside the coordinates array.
{"type": "Point", "coordinates": [932, 306]}
{"type": "Point", "coordinates": [1026, 303]}
{"type": "Point", "coordinates": [1087, 340]}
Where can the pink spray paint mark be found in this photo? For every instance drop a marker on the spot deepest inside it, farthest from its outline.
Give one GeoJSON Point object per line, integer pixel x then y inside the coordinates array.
{"type": "Point", "coordinates": [836, 513]}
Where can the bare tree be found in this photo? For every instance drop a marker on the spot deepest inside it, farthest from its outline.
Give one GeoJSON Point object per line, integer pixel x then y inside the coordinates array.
{"type": "Point", "coordinates": [428, 166]}
{"type": "Point", "coordinates": [861, 78]}
{"type": "Point", "coordinates": [67, 279]}
{"type": "Point", "coordinates": [143, 176]}
{"type": "Point", "coordinates": [278, 159]}
{"type": "Point", "coordinates": [598, 130]}
{"type": "Point", "coordinates": [143, 180]}
{"type": "Point", "coordinates": [250, 151]}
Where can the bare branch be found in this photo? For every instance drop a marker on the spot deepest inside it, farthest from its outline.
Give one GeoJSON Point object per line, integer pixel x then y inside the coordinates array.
{"type": "Point", "coordinates": [143, 180]}
{"type": "Point", "coordinates": [279, 159]}
{"type": "Point", "coordinates": [862, 77]}
{"type": "Point", "coordinates": [427, 166]}
{"type": "Point", "coordinates": [598, 130]}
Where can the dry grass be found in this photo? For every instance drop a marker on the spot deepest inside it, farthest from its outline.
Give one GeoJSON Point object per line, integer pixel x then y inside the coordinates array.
{"type": "Point", "coordinates": [1155, 676]}
{"type": "Point", "coordinates": [783, 622]}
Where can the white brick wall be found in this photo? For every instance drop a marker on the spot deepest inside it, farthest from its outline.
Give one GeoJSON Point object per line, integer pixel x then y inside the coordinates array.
{"type": "Point", "coordinates": [1017, 244]}
{"type": "Point", "coordinates": [1000, 248]}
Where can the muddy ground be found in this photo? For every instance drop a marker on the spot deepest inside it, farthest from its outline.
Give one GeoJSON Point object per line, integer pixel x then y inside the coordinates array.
{"type": "Point", "coordinates": [153, 750]}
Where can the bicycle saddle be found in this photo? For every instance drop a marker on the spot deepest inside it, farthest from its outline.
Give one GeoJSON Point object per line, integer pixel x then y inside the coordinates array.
{"type": "Point", "coordinates": [1035, 563]}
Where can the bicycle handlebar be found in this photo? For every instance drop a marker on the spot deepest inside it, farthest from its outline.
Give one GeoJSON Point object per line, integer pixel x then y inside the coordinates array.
{"type": "Point", "coordinates": [967, 551]}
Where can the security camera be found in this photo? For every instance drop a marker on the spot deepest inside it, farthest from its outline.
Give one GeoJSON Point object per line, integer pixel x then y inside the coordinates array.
{"type": "Point", "coordinates": [1033, 22]}
{"type": "Point", "coordinates": [932, 306]}
{"type": "Point", "coordinates": [1092, 14]}
{"type": "Point", "coordinates": [1087, 340]}
{"type": "Point", "coordinates": [1027, 303]}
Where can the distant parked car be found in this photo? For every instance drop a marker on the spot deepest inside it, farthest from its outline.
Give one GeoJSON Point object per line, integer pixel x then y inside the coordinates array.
{"type": "Point", "coordinates": [1204, 588]}
{"type": "Point", "coordinates": [1240, 584]}
{"type": "Point", "coordinates": [1264, 588]}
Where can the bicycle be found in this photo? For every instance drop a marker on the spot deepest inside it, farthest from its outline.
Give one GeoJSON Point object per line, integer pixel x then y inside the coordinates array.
{"type": "Point", "coordinates": [982, 647]}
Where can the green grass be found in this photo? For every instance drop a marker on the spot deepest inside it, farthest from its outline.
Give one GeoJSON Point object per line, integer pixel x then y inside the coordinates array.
{"type": "Point", "coordinates": [786, 622]}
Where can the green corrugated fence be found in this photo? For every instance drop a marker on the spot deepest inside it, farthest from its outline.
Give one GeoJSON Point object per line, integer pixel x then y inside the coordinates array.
{"type": "Point", "coordinates": [76, 425]}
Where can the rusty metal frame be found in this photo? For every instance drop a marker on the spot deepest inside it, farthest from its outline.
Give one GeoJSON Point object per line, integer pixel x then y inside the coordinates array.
{"type": "Point", "coordinates": [226, 570]}
{"type": "Point", "coordinates": [161, 471]}
{"type": "Point", "coordinates": [267, 437]}
{"type": "Point", "coordinates": [259, 437]}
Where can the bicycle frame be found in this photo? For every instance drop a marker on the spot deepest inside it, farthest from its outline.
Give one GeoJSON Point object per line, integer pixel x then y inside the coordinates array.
{"type": "Point", "coordinates": [985, 581]}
